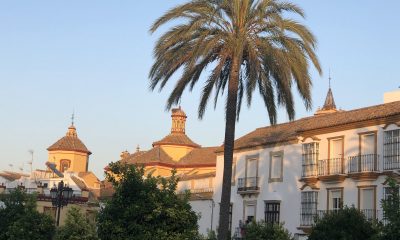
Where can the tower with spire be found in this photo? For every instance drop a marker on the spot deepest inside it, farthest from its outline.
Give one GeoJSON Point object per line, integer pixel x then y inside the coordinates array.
{"type": "Point", "coordinates": [329, 105]}
{"type": "Point", "coordinates": [69, 153]}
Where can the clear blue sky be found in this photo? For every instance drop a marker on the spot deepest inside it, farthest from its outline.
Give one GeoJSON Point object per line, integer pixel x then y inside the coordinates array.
{"type": "Point", "coordinates": [94, 57]}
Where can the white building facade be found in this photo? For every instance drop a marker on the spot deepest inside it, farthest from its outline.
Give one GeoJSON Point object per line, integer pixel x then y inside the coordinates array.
{"type": "Point", "coordinates": [295, 171]}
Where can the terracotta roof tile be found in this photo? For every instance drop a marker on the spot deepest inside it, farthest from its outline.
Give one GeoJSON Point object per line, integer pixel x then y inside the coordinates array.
{"type": "Point", "coordinates": [289, 131]}
{"type": "Point", "coordinates": [156, 154]}
{"type": "Point", "coordinates": [198, 156]}
{"type": "Point", "coordinates": [79, 182]}
{"type": "Point", "coordinates": [179, 139]}
{"type": "Point", "coordinates": [69, 143]}
{"type": "Point", "coordinates": [196, 176]}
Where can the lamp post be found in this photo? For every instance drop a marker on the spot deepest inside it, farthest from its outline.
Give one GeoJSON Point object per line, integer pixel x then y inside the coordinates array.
{"type": "Point", "coordinates": [60, 197]}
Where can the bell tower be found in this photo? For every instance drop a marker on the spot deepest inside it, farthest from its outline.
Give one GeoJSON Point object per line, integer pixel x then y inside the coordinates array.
{"type": "Point", "coordinates": [178, 121]}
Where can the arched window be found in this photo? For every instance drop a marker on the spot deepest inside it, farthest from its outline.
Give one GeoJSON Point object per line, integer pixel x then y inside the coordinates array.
{"type": "Point", "coordinates": [65, 164]}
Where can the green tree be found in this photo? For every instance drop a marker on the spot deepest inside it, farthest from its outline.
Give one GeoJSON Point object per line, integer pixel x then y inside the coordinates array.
{"type": "Point", "coordinates": [391, 210]}
{"type": "Point", "coordinates": [266, 231]}
{"type": "Point", "coordinates": [345, 224]}
{"type": "Point", "coordinates": [248, 45]}
{"type": "Point", "coordinates": [20, 219]}
{"type": "Point", "coordinates": [76, 227]}
{"type": "Point", "coordinates": [145, 208]}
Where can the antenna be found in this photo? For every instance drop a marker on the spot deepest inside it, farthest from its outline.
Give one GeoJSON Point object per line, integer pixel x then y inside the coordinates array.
{"type": "Point", "coordinates": [31, 161]}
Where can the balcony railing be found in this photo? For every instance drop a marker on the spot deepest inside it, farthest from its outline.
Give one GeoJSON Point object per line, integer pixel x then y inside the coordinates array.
{"type": "Point", "coordinates": [249, 184]}
{"type": "Point", "coordinates": [333, 166]}
{"type": "Point", "coordinates": [197, 190]}
{"type": "Point", "coordinates": [391, 162]}
{"type": "Point", "coordinates": [309, 170]}
{"type": "Point", "coordinates": [310, 218]}
{"type": "Point", "coordinates": [363, 163]}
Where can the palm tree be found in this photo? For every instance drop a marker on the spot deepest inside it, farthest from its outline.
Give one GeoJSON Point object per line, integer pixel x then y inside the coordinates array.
{"type": "Point", "coordinates": [247, 45]}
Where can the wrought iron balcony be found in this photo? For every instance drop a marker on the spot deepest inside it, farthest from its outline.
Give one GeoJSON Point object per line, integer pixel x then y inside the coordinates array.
{"type": "Point", "coordinates": [309, 218]}
{"type": "Point", "coordinates": [391, 161]}
{"type": "Point", "coordinates": [363, 163]}
{"type": "Point", "coordinates": [248, 185]}
{"type": "Point", "coordinates": [333, 166]}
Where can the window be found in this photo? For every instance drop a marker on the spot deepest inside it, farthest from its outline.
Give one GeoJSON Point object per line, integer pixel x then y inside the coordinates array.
{"type": "Point", "coordinates": [388, 191]}
{"type": "Point", "coordinates": [272, 211]}
{"type": "Point", "coordinates": [250, 182]}
{"type": "Point", "coordinates": [233, 171]}
{"type": "Point", "coordinates": [65, 164]}
{"type": "Point", "coordinates": [391, 148]}
{"type": "Point", "coordinates": [368, 158]}
{"type": "Point", "coordinates": [367, 143]}
{"type": "Point", "coordinates": [276, 167]}
{"type": "Point", "coordinates": [367, 201]}
{"type": "Point", "coordinates": [309, 203]}
{"type": "Point", "coordinates": [310, 159]}
{"type": "Point", "coordinates": [51, 211]}
{"type": "Point", "coordinates": [335, 198]}
{"type": "Point", "coordinates": [336, 149]}
{"type": "Point", "coordinates": [250, 211]}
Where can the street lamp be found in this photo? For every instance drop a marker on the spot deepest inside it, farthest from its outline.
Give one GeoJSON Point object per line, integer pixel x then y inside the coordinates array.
{"type": "Point", "coordinates": [60, 197]}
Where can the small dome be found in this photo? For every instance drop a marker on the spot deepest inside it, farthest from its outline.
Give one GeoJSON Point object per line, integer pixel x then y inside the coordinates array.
{"type": "Point", "coordinates": [70, 142]}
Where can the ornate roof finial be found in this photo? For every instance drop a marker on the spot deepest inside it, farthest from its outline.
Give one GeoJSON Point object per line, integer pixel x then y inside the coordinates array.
{"type": "Point", "coordinates": [330, 78]}
{"type": "Point", "coordinates": [138, 148]}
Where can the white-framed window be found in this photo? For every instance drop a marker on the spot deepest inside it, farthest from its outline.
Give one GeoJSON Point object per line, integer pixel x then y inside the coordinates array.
{"type": "Point", "coordinates": [391, 149]}
{"type": "Point", "coordinates": [250, 209]}
{"type": "Point", "coordinates": [367, 201]}
{"type": "Point", "coordinates": [309, 204]}
{"type": "Point", "coordinates": [276, 167]}
{"type": "Point", "coordinates": [335, 198]}
{"type": "Point", "coordinates": [310, 159]}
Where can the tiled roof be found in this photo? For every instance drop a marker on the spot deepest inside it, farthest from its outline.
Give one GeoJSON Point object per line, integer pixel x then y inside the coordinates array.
{"type": "Point", "coordinates": [289, 131]}
{"type": "Point", "coordinates": [198, 156]}
{"type": "Point", "coordinates": [90, 179]}
{"type": "Point", "coordinates": [156, 154]}
{"type": "Point", "coordinates": [12, 176]}
{"type": "Point", "coordinates": [196, 176]}
{"type": "Point", "coordinates": [204, 155]}
{"type": "Point", "coordinates": [79, 182]}
{"type": "Point", "coordinates": [178, 139]}
{"type": "Point", "coordinates": [70, 142]}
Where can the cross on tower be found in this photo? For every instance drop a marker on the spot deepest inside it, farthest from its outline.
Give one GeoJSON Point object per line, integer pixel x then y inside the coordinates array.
{"type": "Point", "coordinates": [330, 78]}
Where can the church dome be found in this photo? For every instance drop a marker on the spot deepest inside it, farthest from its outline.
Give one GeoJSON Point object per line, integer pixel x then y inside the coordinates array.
{"type": "Point", "coordinates": [70, 142]}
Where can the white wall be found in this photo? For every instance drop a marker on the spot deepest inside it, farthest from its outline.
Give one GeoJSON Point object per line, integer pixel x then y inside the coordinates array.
{"type": "Point", "coordinates": [204, 209]}
{"type": "Point", "coordinates": [288, 191]}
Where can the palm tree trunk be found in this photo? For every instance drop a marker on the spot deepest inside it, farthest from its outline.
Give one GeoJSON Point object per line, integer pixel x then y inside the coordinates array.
{"type": "Point", "coordinates": [230, 123]}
